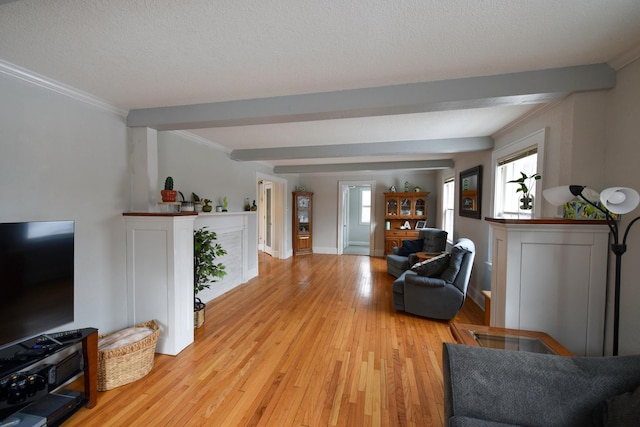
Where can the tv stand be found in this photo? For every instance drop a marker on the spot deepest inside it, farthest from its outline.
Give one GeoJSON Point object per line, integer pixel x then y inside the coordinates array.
{"type": "Point", "coordinates": [32, 356]}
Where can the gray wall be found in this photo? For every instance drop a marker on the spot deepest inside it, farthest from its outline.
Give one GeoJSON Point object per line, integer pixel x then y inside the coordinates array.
{"type": "Point", "coordinates": [325, 199]}
{"type": "Point", "coordinates": [61, 159]}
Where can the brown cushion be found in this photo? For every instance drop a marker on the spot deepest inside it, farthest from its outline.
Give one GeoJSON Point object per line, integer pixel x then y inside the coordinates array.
{"type": "Point", "coordinates": [432, 267]}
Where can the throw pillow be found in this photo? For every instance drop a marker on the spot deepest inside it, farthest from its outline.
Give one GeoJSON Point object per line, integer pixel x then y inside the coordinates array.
{"type": "Point", "coordinates": [620, 410]}
{"type": "Point", "coordinates": [432, 267]}
{"type": "Point", "coordinates": [410, 247]}
{"type": "Point", "coordinates": [457, 255]}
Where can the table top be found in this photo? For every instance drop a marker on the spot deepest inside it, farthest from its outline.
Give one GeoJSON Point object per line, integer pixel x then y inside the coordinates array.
{"type": "Point", "coordinates": [507, 339]}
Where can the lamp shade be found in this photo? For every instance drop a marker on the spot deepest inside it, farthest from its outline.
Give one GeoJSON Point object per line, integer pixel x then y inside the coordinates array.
{"type": "Point", "coordinates": [558, 196]}
{"type": "Point", "coordinates": [620, 200]}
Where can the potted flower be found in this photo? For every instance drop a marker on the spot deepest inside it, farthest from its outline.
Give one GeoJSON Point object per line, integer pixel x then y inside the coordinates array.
{"type": "Point", "coordinates": [168, 194]}
{"type": "Point", "coordinates": [205, 268]}
{"type": "Point", "coordinates": [525, 183]}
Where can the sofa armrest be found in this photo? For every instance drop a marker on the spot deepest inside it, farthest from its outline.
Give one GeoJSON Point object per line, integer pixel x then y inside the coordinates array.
{"type": "Point", "coordinates": [517, 387]}
{"type": "Point", "coordinates": [429, 282]}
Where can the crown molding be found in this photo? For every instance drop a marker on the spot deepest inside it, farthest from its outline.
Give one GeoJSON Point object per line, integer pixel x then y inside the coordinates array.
{"type": "Point", "coordinates": [28, 76]}
{"type": "Point", "coordinates": [200, 140]}
{"type": "Point", "coordinates": [625, 58]}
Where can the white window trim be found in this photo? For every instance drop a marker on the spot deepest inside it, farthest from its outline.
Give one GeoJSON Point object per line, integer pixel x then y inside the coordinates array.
{"type": "Point", "coordinates": [536, 139]}
{"type": "Point", "coordinates": [445, 181]}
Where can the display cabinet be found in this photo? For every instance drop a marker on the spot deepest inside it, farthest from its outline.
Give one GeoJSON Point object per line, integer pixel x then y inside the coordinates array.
{"type": "Point", "coordinates": [401, 208]}
{"type": "Point", "coordinates": [302, 222]}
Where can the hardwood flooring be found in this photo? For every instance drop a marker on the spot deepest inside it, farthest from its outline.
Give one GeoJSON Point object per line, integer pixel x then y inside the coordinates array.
{"type": "Point", "coordinates": [313, 341]}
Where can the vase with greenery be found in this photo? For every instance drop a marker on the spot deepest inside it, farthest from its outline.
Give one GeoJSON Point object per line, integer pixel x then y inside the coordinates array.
{"type": "Point", "coordinates": [205, 268]}
{"type": "Point", "coordinates": [207, 205]}
{"type": "Point", "coordinates": [525, 183]}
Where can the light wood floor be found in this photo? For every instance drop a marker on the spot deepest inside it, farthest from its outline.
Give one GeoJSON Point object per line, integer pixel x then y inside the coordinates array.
{"type": "Point", "coordinates": [313, 341]}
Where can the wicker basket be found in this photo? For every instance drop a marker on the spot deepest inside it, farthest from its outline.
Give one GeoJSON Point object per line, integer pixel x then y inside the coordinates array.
{"type": "Point", "coordinates": [122, 365]}
{"type": "Point", "coordinates": [198, 313]}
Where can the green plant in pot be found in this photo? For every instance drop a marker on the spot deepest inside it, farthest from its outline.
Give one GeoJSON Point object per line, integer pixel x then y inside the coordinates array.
{"type": "Point", "coordinates": [525, 183]}
{"type": "Point", "coordinates": [207, 205]}
{"type": "Point", "coordinates": [205, 268]}
{"type": "Point", "coordinates": [168, 194]}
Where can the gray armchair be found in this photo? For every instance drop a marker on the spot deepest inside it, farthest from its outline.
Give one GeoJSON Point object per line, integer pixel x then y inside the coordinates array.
{"type": "Point", "coordinates": [491, 387]}
{"type": "Point", "coordinates": [433, 240]}
{"type": "Point", "coordinates": [437, 297]}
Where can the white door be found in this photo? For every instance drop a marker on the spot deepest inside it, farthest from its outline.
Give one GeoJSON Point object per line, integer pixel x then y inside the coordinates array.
{"type": "Point", "coordinates": [267, 217]}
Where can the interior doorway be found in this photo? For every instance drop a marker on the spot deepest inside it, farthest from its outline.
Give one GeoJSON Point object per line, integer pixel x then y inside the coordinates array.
{"type": "Point", "coordinates": [272, 206]}
{"type": "Point", "coordinates": [355, 235]}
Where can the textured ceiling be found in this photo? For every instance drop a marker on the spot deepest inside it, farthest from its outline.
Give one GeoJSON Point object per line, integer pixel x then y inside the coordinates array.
{"type": "Point", "coordinates": [152, 53]}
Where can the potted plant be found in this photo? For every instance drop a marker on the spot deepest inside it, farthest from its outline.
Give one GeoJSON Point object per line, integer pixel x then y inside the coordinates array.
{"type": "Point", "coordinates": [525, 184]}
{"type": "Point", "coordinates": [168, 194]}
{"type": "Point", "coordinates": [207, 205]}
{"type": "Point", "coordinates": [205, 268]}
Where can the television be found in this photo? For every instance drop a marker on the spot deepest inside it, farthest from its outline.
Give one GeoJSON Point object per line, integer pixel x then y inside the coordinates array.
{"type": "Point", "coordinates": [36, 278]}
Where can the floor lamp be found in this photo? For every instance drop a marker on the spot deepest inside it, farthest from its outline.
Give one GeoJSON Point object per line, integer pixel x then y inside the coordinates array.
{"type": "Point", "coordinates": [617, 200]}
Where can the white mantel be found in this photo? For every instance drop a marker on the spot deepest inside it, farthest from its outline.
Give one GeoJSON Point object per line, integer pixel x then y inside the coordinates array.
{"type": "Point", "coordinates": [237, 232]}
{"type": "Point", "coordinates": [160, 267]}
{"type": "Point", "coordinates": [550, 275]}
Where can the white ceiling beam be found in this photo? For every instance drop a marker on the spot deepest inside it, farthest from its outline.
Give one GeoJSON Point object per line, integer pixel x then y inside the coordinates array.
{"type": "Point", "coordinates": [364, 167]}
{"type": "Point", "coordinates": [431, 146]}
{"type": "Point", "coordinates": [528, 87]}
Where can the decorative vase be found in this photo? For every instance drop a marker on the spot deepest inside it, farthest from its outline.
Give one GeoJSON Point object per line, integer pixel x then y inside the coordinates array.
{"type": "Point", "coordinates": [168, 195]}
{"type": "Point", "coordinates": [525, 209]}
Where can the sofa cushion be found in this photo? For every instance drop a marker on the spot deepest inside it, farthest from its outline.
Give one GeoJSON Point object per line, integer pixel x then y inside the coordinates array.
{"type": "Point", "coordinates": [455, 261]}
{"type": "Point", "coordinates": [410, 247]}
{"type": "Point", "coordinates": [620, 410]}
{"type": "Point", "coordinates": [433, 267]}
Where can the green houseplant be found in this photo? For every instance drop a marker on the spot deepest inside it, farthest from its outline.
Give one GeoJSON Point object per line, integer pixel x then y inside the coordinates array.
{"type": "Point", "coordinates": [205, 268]}
{"type": "Point", "coordinates": [525, 183]}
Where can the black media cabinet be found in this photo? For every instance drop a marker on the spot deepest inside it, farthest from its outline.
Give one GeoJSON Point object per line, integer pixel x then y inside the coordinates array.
{"type": "Point", "coordinates": [27, 376]}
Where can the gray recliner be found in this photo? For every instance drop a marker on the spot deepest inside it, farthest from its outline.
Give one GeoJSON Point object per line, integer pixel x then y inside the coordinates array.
{"type": "Point", "coordinates": [434, 240]}
{"type": "Point", "coordinates": [437, 297]}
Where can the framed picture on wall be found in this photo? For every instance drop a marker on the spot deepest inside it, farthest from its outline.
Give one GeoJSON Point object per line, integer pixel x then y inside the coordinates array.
{"type": "Point", "coordinates": [470, 192]}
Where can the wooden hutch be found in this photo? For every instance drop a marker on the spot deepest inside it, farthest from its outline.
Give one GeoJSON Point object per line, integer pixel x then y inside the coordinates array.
{"type": "Point", "coordinates": [401, 207]}
{"type": "Point", "coordinates": [302, 224]}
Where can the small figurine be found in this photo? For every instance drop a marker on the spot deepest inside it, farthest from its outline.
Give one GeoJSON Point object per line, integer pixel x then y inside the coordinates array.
{"type": "Point", "coordinates": [406, 186]}
{"type": "Point", "coordinates": [392, 189]}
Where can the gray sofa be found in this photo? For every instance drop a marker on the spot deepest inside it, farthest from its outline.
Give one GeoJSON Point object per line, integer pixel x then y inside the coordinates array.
{"type": "Point", "coordinates": [490, 387]}
{"type": "Point", "coordinates": [436, 297]}
{"type": "Point", "coordinates": [433, 240]}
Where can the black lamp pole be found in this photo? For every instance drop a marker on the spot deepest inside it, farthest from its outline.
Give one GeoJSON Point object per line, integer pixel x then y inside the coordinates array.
{"type": "Point", "coordinates": [618, 249]}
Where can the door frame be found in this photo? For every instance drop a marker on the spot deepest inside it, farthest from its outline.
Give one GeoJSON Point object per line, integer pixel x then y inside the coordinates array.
{"type": "Point", "coordinates": [342, 187]}
{"type": "Point", "coordinates": [279, 235]}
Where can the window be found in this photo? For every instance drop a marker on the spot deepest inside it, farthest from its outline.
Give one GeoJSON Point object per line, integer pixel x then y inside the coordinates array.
{"type": "Point", "coordinates": [365, 206]}
{"type": "Point", "coordinates": [507, 169]}
{"type": "Point", "coordinates": [448, 207]}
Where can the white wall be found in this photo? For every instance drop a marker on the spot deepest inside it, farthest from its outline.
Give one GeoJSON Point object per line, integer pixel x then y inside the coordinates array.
{"type": "Point", "coordinates": [63, 159]}
{"type": "Point", "coordinates": [622, 141]}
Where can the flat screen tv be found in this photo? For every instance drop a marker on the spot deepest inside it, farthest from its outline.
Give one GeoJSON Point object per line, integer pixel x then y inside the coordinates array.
{"type": "Point", "coordinates": [36, 278]}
